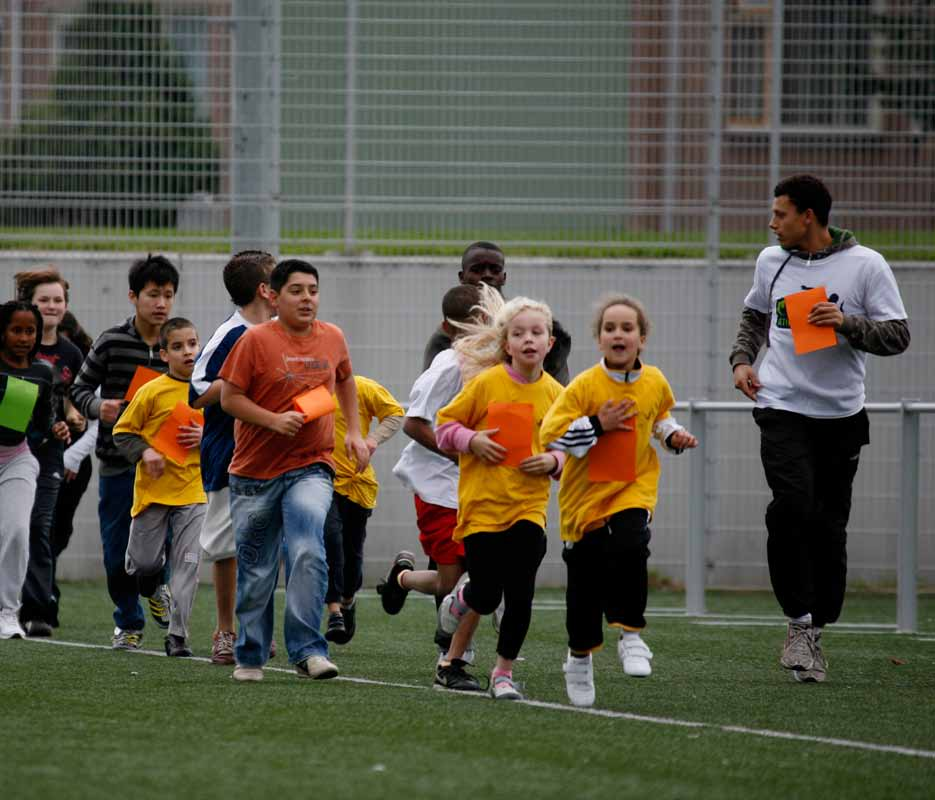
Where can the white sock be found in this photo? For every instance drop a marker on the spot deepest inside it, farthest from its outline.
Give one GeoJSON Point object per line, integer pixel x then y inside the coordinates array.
{"type": "Point", "coordinates": [805, 619]}
{"type": "Point", "coordinates": [629, 636]}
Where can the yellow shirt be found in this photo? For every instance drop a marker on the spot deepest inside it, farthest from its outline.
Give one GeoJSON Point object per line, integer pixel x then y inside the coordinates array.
{"type": "Point", "coordinates": [373, 401]}
{"type": "Point", "coordinates": [585, 505]}
{"type": "Point", "coordinates": [149, 408]}
{"type": "Point", "coordinates": [493, 498]}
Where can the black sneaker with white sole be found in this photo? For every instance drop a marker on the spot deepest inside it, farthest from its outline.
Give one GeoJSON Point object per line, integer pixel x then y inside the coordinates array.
{"type": "Point", "coordinates": [177, 647]}
{"type": "Point", "coordinates": [454, 677]}
{"type": "Point", "coordinates": [391, 593]}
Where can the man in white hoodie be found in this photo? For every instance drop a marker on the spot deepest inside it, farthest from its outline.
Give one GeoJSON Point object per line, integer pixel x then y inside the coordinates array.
{"type": "Point", "coordinates": [810, 407]}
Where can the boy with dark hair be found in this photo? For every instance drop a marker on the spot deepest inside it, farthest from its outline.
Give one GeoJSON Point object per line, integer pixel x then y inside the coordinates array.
{"type": "Point", "coordinates": [484, 262]}
{"type": "Point", "coordinates": [48, 291]}
{"type": "Point", "coordinates": [167, 492]}
{"type": "Point", "coordinates": [430, 474]}
{"type": "Point", "coordinates": [246, 278]}
{"type": "Point", "coordinates": [810, 406]}
{"type": "Point", "coordinates": [110, 366]}
{"type": "Point", "coordinates": [282, 472]}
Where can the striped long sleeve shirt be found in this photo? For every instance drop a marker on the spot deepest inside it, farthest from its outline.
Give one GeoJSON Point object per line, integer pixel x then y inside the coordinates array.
{"type": "Point", "coordinates": [110, 365]}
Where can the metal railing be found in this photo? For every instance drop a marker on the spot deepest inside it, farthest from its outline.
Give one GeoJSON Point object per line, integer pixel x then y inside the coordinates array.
{"type": "Point", "coordinates": [907, 547]}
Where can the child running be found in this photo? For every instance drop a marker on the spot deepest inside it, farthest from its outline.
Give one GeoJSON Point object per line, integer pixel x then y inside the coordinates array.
{"type": "Point", "coordinates": [606, 505]}
{"type": "Point", "coordinates": [355, 497]}
{"type": "Point", "coordinates": [430, 474]}
{"type": "Point", "coordinates": [501, 508]}
{"type": "Point", "coordinates": [167, 493]}
{"type": "Point", "coordinates": [246, 278]}
{"type": "Point", "coordinates": [24, 409]}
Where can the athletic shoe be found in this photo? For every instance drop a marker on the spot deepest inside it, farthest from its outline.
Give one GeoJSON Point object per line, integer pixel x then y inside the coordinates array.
{"type": "Point", "coordinates": [635, 656]}
{"type": "Point", "coordinates": [797, 650]}
{"type": "Point", "coordinates": [819, 667]}
{"type": "Point", "coordinates": [222, 647]}
{"type": "Point", "coordinates": [247, 673]}
{"type": "Point", "coordinates": [37, 628]}
{"type": "Point", "coordinates": [350, 619]}
{"type": "Point", "coordinates": [453, 606]}
{"type": "Point", "coordinates": [9, 625]}
{"type": "Point", "coordinates": [391, 593]}
{"type": "Point", "coordinates": [125, 639]}
{"type": "Point", "coordinates": [579, 679]}
{"type": "Point", "coordinates": [336, 632]}
{"type": "Point", "coordinates": [503, 687]}
{"type": "Point", "coordinates": [177, 647]}
{"type": "Point", "coordinates": [318, 668]}
{"type": "Point", "coordinates": [159, 605]}
{"type": "Point", "coordinates": [452, 676]}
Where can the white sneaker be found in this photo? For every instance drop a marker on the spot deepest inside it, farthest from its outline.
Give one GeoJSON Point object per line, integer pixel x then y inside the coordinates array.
{"type": "Point", "coordinates": [247, 673]}
{"type": "Point", "coordinates": [504, 688]}
{"type": "Point", "coordinates": [452, 608]}
{"type": "Point", "coordinates": [9, 625]}
{"type": "Point", "coordinates": [579, 679]}
{"type": "Point", "coordinates": [318, 668]}
{"type": "Point", "coordinates": [635, 656]}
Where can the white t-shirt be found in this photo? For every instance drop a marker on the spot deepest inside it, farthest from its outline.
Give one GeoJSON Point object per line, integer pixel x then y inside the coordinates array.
{"type": "Point", "coordinates": [431, 476]}
{"type": "Point", "coordinates": [829, 382]}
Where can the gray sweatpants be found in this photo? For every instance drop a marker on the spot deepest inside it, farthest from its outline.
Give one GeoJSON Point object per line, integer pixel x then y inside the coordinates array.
{"type": "Point", "coordinates": [146, 554]}
{"type": "Point", "coordinates": [17, 492]}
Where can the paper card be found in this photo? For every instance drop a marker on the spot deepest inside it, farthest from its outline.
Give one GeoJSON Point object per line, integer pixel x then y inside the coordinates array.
{"type": "Point", "coordinates": [18, 401]}
{"type": "Point", "coordinates": [613, 458]}
{"type": "Point", "coordinates": [142, 376]}
{"type": "Point", "coordinates": [315, 403]}
{"type": "Point", "coordinates": [166, 439]}
{"type": "Point", "coordinates": [516, 425]}
{"type": "Point", "coordinates": [805, 336]}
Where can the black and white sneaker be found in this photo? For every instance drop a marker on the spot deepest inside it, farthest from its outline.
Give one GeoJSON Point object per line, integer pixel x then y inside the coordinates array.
{"type": "Point", "coordinates": [391, 593]}
{"type": "Point", "coordinates": [452, 676]}
{"type": "Point", "coordinates": [337, 630]}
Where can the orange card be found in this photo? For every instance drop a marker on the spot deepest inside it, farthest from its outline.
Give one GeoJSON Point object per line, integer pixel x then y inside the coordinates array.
{"type": "Point", "coordinates": [315, 403]}
{"type": "Point", "coordinates": [613, 458]}
{"type": "Point", "coordinates": [166, 441]}
{"type": "Point", "coordinates": [805, 336]}
{"type": "Point", "coordinates": [516, 427]}
{"type": "Point", "coordinates": [141, 376]}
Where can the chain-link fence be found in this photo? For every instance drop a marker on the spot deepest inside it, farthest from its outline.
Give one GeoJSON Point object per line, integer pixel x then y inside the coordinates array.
{"type": "Point", "coordinates": [599, 127]}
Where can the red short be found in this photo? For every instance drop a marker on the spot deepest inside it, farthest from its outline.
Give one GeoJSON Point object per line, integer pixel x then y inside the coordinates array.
{"type": "Point", "coordinates": [436, 525]}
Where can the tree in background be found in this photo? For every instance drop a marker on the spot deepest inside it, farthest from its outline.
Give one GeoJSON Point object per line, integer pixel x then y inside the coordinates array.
{"type": "Point", "coordinates": [120, 142]}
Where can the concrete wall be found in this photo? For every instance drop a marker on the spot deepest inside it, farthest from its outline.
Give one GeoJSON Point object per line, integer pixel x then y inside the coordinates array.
{"type": "Point", "coordinates": [388, 307]}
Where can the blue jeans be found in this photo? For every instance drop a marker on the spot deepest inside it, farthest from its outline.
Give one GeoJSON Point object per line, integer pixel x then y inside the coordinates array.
{"type": "Point", "coordinates": [113, 510]}
{"type": "Point", "coordinates": [286, 515]}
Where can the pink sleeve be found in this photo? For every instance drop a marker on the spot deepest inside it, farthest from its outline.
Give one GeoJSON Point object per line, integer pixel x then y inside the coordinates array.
{"type": "Point", "coordinates": [454, 436]}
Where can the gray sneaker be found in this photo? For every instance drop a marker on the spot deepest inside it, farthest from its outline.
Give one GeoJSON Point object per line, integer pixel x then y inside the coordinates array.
{"type": "Point", "coordinates": [819, 667]}
{"type": "Point", "coordinates": [797, 650]}
{"type": "Point", "coordinates": [125, 639]}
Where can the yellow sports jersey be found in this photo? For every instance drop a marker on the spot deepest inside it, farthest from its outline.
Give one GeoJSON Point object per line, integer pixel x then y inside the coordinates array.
{"type": "Point", "coordinates": [373, 401]}
{"type": "Point", "coordinates": [149, 408]}
{"type": "Point", "coordinates": [585, 505]}
{"type": "Point", "coordinates": [493, 498]}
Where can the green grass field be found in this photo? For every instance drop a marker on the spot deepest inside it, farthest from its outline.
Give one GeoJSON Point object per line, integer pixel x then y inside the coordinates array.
{"type": "Point", "coordinates": [896, 246]}
{"type": "Point", "coordinates": [718, 718]}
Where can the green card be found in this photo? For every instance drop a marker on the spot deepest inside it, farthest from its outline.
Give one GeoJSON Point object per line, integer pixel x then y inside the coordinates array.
{"type": "Point", "coordinates": [16, 404]}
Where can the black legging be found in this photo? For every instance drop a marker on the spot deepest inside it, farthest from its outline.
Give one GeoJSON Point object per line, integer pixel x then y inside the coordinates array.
{"type": "Point", "coordinates": [503, 564]}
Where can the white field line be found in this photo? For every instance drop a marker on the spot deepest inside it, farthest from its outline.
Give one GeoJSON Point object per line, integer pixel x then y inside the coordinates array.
{"type": "Point", "coordinates": [593, 712]}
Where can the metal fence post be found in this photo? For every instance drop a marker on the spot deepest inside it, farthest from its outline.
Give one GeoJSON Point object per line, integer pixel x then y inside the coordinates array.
{"type": "Point", "coordinates": [255, 163]}
{"type": "Point", "coordinates": [350, 122]}
{"type": "Point", "coordinates": [697, 514]}
{"type": "Point", "coordinates": [907, 548]}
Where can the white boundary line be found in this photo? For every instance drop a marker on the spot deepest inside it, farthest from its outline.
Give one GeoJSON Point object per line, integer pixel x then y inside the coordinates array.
{"type": "Point", "coordinates": [594, 712]}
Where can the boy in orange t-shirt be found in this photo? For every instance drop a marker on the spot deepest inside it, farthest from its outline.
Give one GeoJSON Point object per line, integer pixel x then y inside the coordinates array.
{"type": "Point", "coordinates": [282, 472]}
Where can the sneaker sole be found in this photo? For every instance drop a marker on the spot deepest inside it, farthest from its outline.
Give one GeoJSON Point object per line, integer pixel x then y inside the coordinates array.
{"type": "Point", "coordinates": [338, 637]}
{"type": "Point", "coordinates": [321, 676]}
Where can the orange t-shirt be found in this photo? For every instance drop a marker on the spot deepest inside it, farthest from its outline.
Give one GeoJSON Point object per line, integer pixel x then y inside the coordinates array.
{"type": "Point", "coordinates": [272, 367]}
